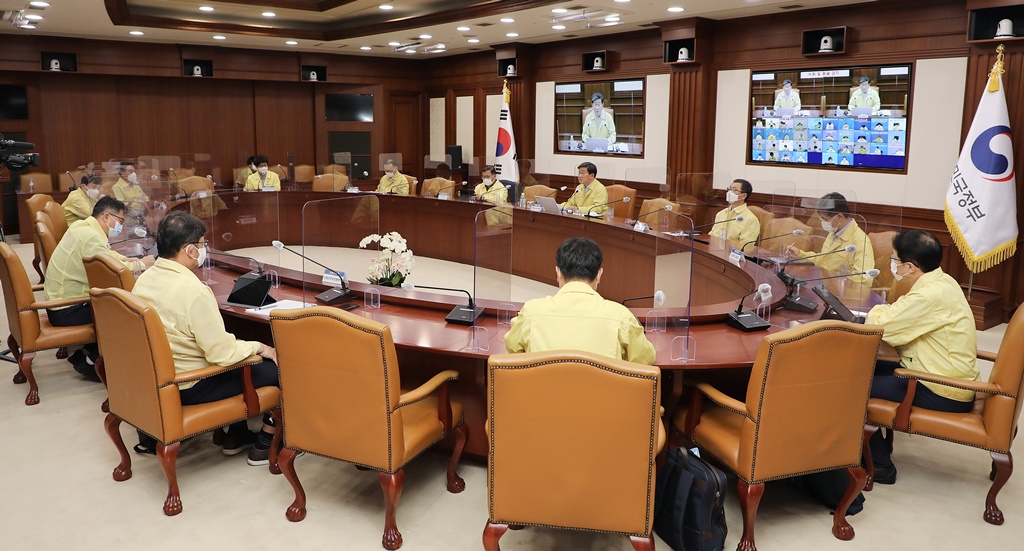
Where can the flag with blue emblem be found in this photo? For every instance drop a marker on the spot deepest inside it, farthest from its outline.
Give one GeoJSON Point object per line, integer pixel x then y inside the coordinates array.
{"type": "Point", "coordinates": [505, 165]}
{"type": "Point", "coordinates": [981, 203]}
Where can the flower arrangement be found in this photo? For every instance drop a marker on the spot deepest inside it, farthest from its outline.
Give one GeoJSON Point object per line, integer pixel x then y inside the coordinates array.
{"type": "Point", "coordinates": [390, 269]}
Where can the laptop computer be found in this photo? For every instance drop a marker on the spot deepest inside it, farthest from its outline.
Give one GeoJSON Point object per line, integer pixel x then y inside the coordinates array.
{"type": "Point", "coordinates": [861, 112]}
{"type": "Point", "coordinates": [549, 204]}
{"type": "Point", "coordinates": [596, 144]}
{"type": "Point", "coordinates": [787, 112]}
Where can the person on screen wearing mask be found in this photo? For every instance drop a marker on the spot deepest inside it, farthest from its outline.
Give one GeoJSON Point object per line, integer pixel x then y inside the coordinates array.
{"type": "Point", "coordinates": [590, 193]}
{"type": "Point", "coordinates": [393, 181]}
{"type": "Point", "coordinates": [786, 98]}
{"type": "Point", "coordinates": [577, 317]}
{"type": "Point", "coordinates": [932, 329]}
{"type": "Point", "coordinates": [80, 202]}
{"type": "Point", "coordinates": [191, 318]}
{"type": "Point", "coordinates": [263, 178]}
{"type": "Point", "coordinates": [491, 190]}
{"type": "Point", "coordinates": [127, 189]}
{"type": "Point", "coordinates": [737, 231]}
{"type": "Point", "coordinates": [66, 278]}
{"type": "Point", "coordinates": [865, 96]}
{"type": "Point", "coordinates": [599, 123]}
{"type": "Point", "coordinates": [834, 212]}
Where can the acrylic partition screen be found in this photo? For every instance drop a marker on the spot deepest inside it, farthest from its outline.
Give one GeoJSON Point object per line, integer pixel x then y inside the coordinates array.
{"type": "Point", "coordinates": [666, 314]}
{"type": "Point", "coordinates": [344, 235]}
{"type": "Point", "coordinates": [494, 286]}
{"type": "Point", "coordinates": [244, 224]}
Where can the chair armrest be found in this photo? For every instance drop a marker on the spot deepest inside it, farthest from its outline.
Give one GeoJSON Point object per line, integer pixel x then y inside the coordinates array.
{"type": "Point", "coordinates": [38, 287]}
{"type": "Point", "coordinates": [976, 386]}
{"type": "Point", "coordinates": [986, 355]}
{"type": "Point", "coordinates": [209, 371]}
{"type": "Point", "coordinates": [44, 304]}
{"type": "Point", "coordinates": [721, 399]}
{"type": "Point", "coordinates": [427, 388]}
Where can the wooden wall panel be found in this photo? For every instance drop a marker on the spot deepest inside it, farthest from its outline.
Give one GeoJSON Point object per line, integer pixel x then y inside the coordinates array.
{"type": "Point", "coordinates": [405, 112]}
{"type": "Point", "coordinates": [80, 118]}
{"type": "Point", "coordinates": [284, 122]}
{"type": "Point", "coordinates": [233, 139]}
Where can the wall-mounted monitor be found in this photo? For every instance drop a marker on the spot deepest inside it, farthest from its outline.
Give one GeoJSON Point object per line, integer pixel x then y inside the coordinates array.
{"type": "Point", "coordinates": [13, 103]}
{"type": "Point", "coordinates": [349, 107]}
{"type": "Point", "coordinates": [844, 117]}
{"type": "Point", "coordinates": [600, 117]}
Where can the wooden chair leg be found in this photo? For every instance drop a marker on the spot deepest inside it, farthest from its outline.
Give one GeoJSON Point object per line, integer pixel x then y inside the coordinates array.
{"type": "Point", "coordinates": [1004, 467]}
{"type": "Point", "coordinates": [112, 424]}
{"type": "Point", "coordinates": [62, 353]}
{"type": "Point", "coordinates": [455, 482]}
{"type": "Point", "coordinates": [168, 455]}
{"type": "Point", "coordinates": [297, 510]}
{"type": "Point", "coordinates": [869, 464]}
{"type": "Point", "coordinates": [493, 533]}
{"type": "Point", "coordinates": [25, 363]}
{"type": "Point", "coordinates": [19, 377]}
{"type": "Point", "coordinates": [392, 486]}
{"type": "Point", "coordinates": [36, 263]}
{"type": "Point", "coordinates": [750, 497]}
{"type": "Point", "coordinates": [841, 529]}
{"type": "Point", "coordinates": [275, 444]}
{"type": "Point", "coordinates": [105, 406]}
{"type": "Point", "coordinates": [642, 544]}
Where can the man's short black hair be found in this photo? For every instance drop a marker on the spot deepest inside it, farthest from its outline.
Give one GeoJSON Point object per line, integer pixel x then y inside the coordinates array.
{"type": "Point", "coordinates": [91, 179]}
{"type": "Point", "coordinates": [488, 168]}
{"type": "Point", "coordinates": [260, 159]}
{"type": "Point", "coordinates": [918, 247]}
{"type": "Point", "coordinates": [745, 186]}
{"type": "Point", "coordinates": [108, 204]}
{"type": "Point", "coordinates": [591, 168]}
{"type": "Point", "coordinates": [123, 167]}
{"type": "Point", "coordinates": [177, 230]}
{"type": "Point", "coordinates": [833, 203]}
{"type": "Point", "coordinates": [579, 259]}
{"type": "Point", "coordinates": [391, 162]}
{"type": "Point", "coordinates": [865, 79]}
{"type": "Point", "coordinates": [250, 160]}
{"type": "Point", "coordinates": [787, 81]}
{"type": "Point", "coordinates": [597, 96]}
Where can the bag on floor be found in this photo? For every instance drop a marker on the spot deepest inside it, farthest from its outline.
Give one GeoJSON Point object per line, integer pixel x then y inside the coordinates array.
{"type": "Point", "coordinates": [689, 512]}
{"type": "Point", "coordinates": [828, 488]}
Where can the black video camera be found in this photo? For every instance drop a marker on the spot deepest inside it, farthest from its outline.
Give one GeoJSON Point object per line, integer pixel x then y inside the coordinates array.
{"type": "Point", "coordinates": [17, 162]}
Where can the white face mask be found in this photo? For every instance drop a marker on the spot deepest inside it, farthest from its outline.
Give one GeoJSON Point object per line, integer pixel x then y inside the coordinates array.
{"type": "Point", "coordinates": [202, 255]}
{"type": "Point", "coordinates": [731, 196]}
{"type": "Point", "coordinates": [893, 266]}
{"type": "Point", "coordinates": [133, 178]}
{"type": "Point", "coordinates": [263, 170]}
{"type": "Point", "coordinates": [390, 173]}
{"type": "Point", "coordinates": [252, 167]}
{"type": "Point", "coordinates": [92, 193]}
{"type": "Point", "coordinates": [488, 181]}
{"type": "Point", "coordinates": [115, 231]}
{"type": "Point", "coordinates": [826, 225]}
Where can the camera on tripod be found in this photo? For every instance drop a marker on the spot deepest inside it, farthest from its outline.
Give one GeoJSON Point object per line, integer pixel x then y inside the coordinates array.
{"type": "Point", "coordinates": [17, 162]}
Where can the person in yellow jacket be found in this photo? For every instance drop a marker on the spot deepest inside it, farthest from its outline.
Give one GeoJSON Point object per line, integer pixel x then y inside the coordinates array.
{"type": "Point", "coordinates": [491, 190]}
{"type": "Point", "coordinates": [80, 202]}
{"type": "Point", "coordinates": [263, 179]}
{"type": "Point", "coordinates": [843, 231]}
{"type": "Point", "coordinates": [393, 181]}
{"type": "Point", "coordinates": [736, 223]}
{"type": "Point", "coordinates": [590, 196]}
{"type": "Point", "coordinates": [599, 123]}
{"type": "Point", "coordinates": [127, 189]}
{"type": "Point", "coordinates": [865, 96]}
{"type": "Point", "coordinates": [786, 98]}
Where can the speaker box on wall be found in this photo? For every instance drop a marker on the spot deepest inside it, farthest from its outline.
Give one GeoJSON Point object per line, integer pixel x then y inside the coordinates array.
{"type": "Point", "coordinates": [314, 73]}
{"type": "Point", "coordinates": [197, 67]}
{"type": "Point", "coordinates": [455, 152]}
{"type": "Point", "coordinates": [51, 61]}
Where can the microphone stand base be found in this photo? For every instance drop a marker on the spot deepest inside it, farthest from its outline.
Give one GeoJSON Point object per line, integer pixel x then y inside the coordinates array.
{"type": "Point", "coordinates": [799, 304]}
{"type": "Point", "coordinates": [746, 321]}
{"type": "Point", "coordinates": [338, 296]}
{"type": "Point", "coordinates": [464, 315]}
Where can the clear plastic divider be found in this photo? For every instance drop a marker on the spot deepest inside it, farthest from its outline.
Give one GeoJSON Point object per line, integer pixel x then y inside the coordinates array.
{"type": "Point", "coordinates": [492, 260]}
{"type": "Point", "coordinates": [666, 314]}
{"type": "Point", "coordinates": [344, 235]}
{"type": "Point", "coordinates": [241, 227]}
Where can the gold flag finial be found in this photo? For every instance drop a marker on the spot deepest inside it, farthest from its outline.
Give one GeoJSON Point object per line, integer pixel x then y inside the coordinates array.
{"type": "Point", "coordinates": [506, 91]}
{"type": "Point", "coordinates": [997, 69]}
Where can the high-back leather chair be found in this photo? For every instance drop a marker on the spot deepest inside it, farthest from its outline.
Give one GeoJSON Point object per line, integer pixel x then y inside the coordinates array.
{"type": "Point", "coordinates": [335, 169]}
{"type": "Point", "coordinates": [57, 220]}
{"type": "Point", "coordinates": [356, 410]}
{"type": "Point", "coordinates": [281, 171]}
{"type": "Point", "coordinates": [304, 173]}
{"type": "Point", "coordinates": [802, 414]}
{"type": "Point", "coordinates": [432, 186]}
{"type": "Point", "coordinates": [35, 204]}
{"type": "Point", "coordinates": [193, 184]}
{"type": "Point", "coordinates": [31, 331]}
{"type": "Point", "coordinates": [42, 182]}
{"type": "Point", "coordinates": [44, 238]}
{"type": "Point", "coordinates": [531, 192]}
{"type": "Point", "coordinates": [992, 424]}
{"type": "Point", "coordinates": [788, 224]}
{"type": "Point", "coordinates": [332, 181]}
{"type": "Point", "coordinates": [103, 272]}
{"type": "Point", "coordinates": [143, 386]}
{"type": "Point", "coordinates": [414, 184]}
{"type": "Point", "coordinates": [618, 192]}
{"type": "Point", "coordinates": [881, 244]}
{"type": "Point", "coordinates": [658, 219]}
{"type": "Point", "coordinates": [539, 419]}
{"type": "Point", "coordinates": [764, 218]}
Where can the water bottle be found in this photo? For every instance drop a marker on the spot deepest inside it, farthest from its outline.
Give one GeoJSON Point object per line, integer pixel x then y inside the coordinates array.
{"type": "Point", "coordinates": [522, 201]}
{"type": "Point", "coordinates": [31, 186]}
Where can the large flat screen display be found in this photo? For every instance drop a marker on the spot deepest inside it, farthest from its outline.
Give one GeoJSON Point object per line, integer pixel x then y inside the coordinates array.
{"type": "Point", "coordinates": [600, 117]}
{"type": "Point", "coordinates": [842, 118]}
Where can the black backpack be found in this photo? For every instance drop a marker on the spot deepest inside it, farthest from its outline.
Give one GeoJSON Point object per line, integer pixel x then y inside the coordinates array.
{"type": "Point", "coordinates": [689, 512]}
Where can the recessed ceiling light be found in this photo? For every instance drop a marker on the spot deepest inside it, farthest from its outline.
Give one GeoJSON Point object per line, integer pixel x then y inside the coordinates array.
{"type": "Point", "coordinates": [365, 48]}
{"type": "Point", "coordinates": [393, 43]}
{"type": "Point", "coordinates": [39, 4]}
{"type": "Point", "coordinates": [622, 1]}
{"type": "Point", "coordinates": [28, 26]}
{"type": "Point", "coordinates": [205, 8]}
{"type": "Point", "coordinates": [219, 37]}
{"type": "Point", "coordinates": [34, 17]}
{"type": "Point", "coordinates": [291, 42]}
{"type": "Point", "coordinates": [462, 29]}
{"type": "Point", "coordinates": [473, 40]}
{"type": "Point", "coordinates": [269, 14]}
{"type": "Point", "coordinates": [410, 51]}
{"type": "Point", "coordinates": [386, 7]}
{"type": "Point", "coordinates": [425, 36]}
{"type": "Point", "coordinates": [507, 20]}
{"type": "Point", "coordinates": [558, 27]}
{"type": "Point", "coordinates": [675, 9]}
{"type": "Point", "coordinates": [612, 18]}
{"type": "Point", "coordinates": [136, 33]}
{"type": "Point", "coordinates": [559, 10]}
{"type": "Point", "coordinates": [511, 35]}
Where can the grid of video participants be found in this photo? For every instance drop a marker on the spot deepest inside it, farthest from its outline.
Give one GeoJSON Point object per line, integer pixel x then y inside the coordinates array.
{"type": "Point", "coordinates": [876, 142]}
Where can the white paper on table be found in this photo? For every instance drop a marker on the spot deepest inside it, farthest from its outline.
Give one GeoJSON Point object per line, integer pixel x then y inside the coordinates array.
{"type": "Point", "coordinates": [264, 311]}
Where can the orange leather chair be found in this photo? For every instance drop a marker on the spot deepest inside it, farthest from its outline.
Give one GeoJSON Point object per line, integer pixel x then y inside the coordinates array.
{"type": "Point", "coordinates": [414, 184]}
{"type": "Point", "coordinates": [143, 387]}
{"type": "Point", "coordinates": [658, 219]}
{"type": "Point", "coordinates": [44, 238]}
{"type": "Point", "coordinates": [332, 181]}
{"type": "Point", "coordinates": [193, 184]}
{"type": "Point", "coordinates": [57, 220]}
{"type": "Point", "coordinates": [35, 204]}
{"type": "Point", "coordinates": [103, 272]}
{"type": "Point", "coordinates": [531, 192]}
{"type": "Point", "coordinates": [281, 171]}
{"type": "Point", "coordinates": [31, 331]}
{"type": "Point", "coordinates": [881, 244]}
{"type": "Point", "coordinates": [42, 182]}
{"type": "Point", "coordinates": [801, 415]}
{"type": "Point", "coordinates": [618, 192]}
{"type": "Point", "coordinates": [784, 225]}
{"type": "Point", "coordinates": [432, 186]}
{"type": "Point", "coordinates": [304, 173]}
{"type": "Point", "coordinates": [335, 169]}
{"type": "Point", "coordinates": [355, 410]}
{"type": "Point", "coordinates": [539, 418]}
{"type": "Point", "coordinates": [764, 218]}
{"type": "Point", "coordinates": [992, 424]}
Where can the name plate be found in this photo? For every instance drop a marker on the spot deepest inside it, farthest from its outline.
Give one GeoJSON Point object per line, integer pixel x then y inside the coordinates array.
{"type": "Point", "coordinates": [736, 256]}
{"type": "Point", "coordinates": [640, 227]}
{"type": "Point", "coordinates": [268, 188]}
{"type": "Point", "coordinates": [331, 278]}
{"type": "Point", "coordinates": [444, 196]}
{"type": "Point", "coordinates": [352, 189]}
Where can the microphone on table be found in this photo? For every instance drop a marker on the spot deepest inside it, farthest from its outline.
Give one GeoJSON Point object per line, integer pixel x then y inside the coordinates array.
{"type": "Point", "coordinates": [849, 249]}
{"type": "Point", "coordinates": [462, 315]}
{"type": "Point", "coordinates": [552, 193]}
{"type": "Point", "coordinates": [72, 178]}
{"type": "Point", "coordinates": [623, 200]}
{"type": "Point", "coordinates": [259, 266]}
{"type": "Point", "coordinates": [641, 215]}
{"type": "Point", "coordinates": [749, 321]}
{"type": "Point", "coordinates": [737, 219]}
{"type": "Point", "coordinates": [337, 295]}
{"type": "Point", "coordinates": [787, 234]}
{"type": "Point", "coordinates": [285, 179]}
{"type": "Point", "coordinates": [800, 304]}
{"type": "Point", "coordinates": [658, 296]}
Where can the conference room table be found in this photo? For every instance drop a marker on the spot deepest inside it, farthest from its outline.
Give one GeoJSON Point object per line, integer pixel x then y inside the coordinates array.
{"type": "Point", "coordinates": [427, 344]}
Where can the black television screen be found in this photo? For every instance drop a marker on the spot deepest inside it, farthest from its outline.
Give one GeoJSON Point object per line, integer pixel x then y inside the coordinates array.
{"type": "Point", "coordinates": [13, 103]}
{"type": "Point", "coordinates": [350, 107]}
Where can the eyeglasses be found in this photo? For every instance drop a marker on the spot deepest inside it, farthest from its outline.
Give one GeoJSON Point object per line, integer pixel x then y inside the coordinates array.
{"type": "Point", "coordinates": [118, 218]}
{"type": "Point", "coordinates": [205, 244]}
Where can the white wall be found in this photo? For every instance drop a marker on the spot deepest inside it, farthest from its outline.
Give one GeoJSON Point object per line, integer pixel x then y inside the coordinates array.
{"type": "Point", "coordinates": [933, 143]}
{"type": "Point", "coordinates": [464, 125]}
{"type": "Point", "coordinates": [436, 129]}
{"type": "Point", "coordinates": [651, 168]}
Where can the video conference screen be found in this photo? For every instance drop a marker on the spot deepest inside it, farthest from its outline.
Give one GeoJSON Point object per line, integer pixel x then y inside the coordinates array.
{"type": "Point", "coordinates": [845, 117]}
{"type": "Point", "coordinates": [349, 107]}
{"type": "Point", "coordinates": [600, 117]}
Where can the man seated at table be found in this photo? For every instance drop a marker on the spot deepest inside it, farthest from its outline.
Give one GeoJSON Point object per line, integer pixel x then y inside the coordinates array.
{"type": "Point", "coordinates": [932, 328]}
{"type": "Point", "coordinates": [786, 98]}
{"type": "Point", "coordinates": [599, 123]}
{"type": "Point", "coordinates": [834, 212]}
{"type": "Point", "coordinates": [393, 181]}
{"type": "Point", "coordinates": [491, 190]}
{"type": "Point", "coordinates": [726, 224]}
{"type": "Point", "coordinates": [80, 202]}
{"type": "Point", "coordinates": [577, 318]}
{"type": "Point", "coordinates": [589, 194]}
{"type": "Point", "coordinates": [865, 96]}
{"type": "Point", "coordinates": [66, 278]}
{"type": "Point", "coordinates": [263, 179]}
{"type": "Point", "coordinates": [195, 331]}
{"type": "Point", "coordinates": [127, 188]}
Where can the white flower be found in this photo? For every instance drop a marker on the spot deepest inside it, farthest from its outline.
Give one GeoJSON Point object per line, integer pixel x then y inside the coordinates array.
{"type": "Point", "coordinates": [399, 247]}
{"type": "Point", "coordinates": [368, 239]}
{"type": "Point", "coordinates": [386, 242]}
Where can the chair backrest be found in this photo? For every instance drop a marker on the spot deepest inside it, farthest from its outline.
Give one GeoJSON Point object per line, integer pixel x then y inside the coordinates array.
{"type": "Point", "coordinates": [36, 203]}
{"type": "Point", "coordinates": [431, 186]}
{"type": "Point", "coordinates": [23, 322]}
{"type": "Point", "coordinates": [334, 169]}
{"type": "Point", "coordinates": [363, 390]}
{"type": "Point", "coordinates": [807, 412]}
{"type": "Point", "coordinates": [281, 171]}
{"type": "Point", "coordinates": [881, 244]}
{"type": "Point", "coordinates": [193, 184]}
{"type": "Point", "coordinates": [561, 457]}
{"type": "Point", "coordinates": [103, 272]}
{"type": "Point", "coordinates": [179, 172]}
{"type": "Point", "coordinates": [659, 219]}
{"type": "Point", "coordinates": [138, 363]}
{"type": "Point", "coordinates": [795, 91]}
{"type": "Point", "coordinates": [1002, 411]}
{"type": "Point", "coordinates": [764, 218]}
{"type": "Point", "coordinates": [531, 192]}
{"type": "Point", "coordinates": [414, 186]}
{"type": "Point", "coordinates": [781, 226]}
{"type": "Point", "coordinates": [58, 221]}
{"type": "Point", "coordinates": [238, 175]}
{"type": "Point", "coordinates": [44, 239]}
{"type": "Point", "coordinates": [305, 173]}
{"type": "Point", "coordinates": [589, 109]}
{"type": "Point", "coordinates": [42, 182]}
{"type": "Point", "coordinates": [332, 181]}
{"type": "Point", "coordinates": [855, 88]}
{"type": "Point", "coordinates": [616, 193]}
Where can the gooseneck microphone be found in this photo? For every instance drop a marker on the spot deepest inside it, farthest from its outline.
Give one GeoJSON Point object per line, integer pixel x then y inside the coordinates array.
{"type": "Point", "coordinates": [259, 266]}
{"type": "Point", "coordinates": [623, 200]}
{"type": "Point", "coordinates": [736, 219]}
{"type": "Point", "coordinates": [658, 296]}
{"type": "Point", "coordinates": [749, 321]}
{"type": "Point", "coordinates": [641, 215]}
{"type": "Point", "coordinates": [338, 295]}
{"type": "Point", "coordinates": [787, 234]}
{"type": "Point", "coordinates": [577, 190]}
{"type": "Point", "coordinates": [849, 249]}
{"type": "Point", "coordinates": [552, 193]}
{"type": "Point", "coordinates": [462, 315]}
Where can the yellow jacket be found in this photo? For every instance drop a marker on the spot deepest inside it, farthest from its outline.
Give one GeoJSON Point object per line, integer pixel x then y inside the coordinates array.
{"type": "Point", "coordinates": [585, 198]}
{"type": "Point", "coordinates": [129, 193]}
{"type": "Point", "coordinates": [77, 206]}
{"type": "Point", "coordinates": [255, 183]}
{"type": "Point", "coordinates": [65, 274]}
{"type": "Point", "coordinates": [737, 231]}
{"type": "Point", "coordinates": [861, 260]}
{"type": "Point", "coordinates": [399, 185]}
{"type": "Point", "coordinates": [496, 194]}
